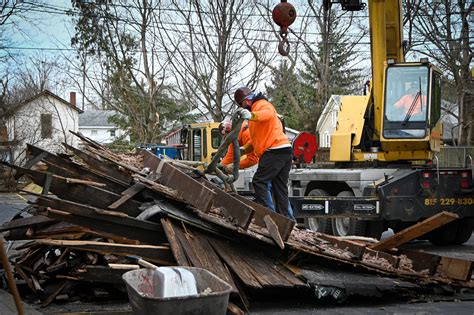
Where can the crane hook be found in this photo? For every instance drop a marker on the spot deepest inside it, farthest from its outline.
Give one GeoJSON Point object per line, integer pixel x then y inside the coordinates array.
{"type": "Point", "coordinates": [284, 14]}
{"type": "Point", "coordinates": [284, 45]}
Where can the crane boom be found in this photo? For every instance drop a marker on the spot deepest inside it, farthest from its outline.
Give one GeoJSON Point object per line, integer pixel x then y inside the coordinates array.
{"type": "Point", "coordinates": [386, 37]}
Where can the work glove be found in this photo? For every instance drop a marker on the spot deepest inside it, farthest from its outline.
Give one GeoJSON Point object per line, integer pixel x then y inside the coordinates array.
{"type": "Point", "coordinates": [229, 169]}
{"type": "Point", "coordinates": [244, 113]}
{"type": "Point", "coordinates": [242, 151]}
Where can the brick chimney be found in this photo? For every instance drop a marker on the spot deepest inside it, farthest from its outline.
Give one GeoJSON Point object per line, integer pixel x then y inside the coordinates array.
{"type": "Point", "coordinates": [72, 98]}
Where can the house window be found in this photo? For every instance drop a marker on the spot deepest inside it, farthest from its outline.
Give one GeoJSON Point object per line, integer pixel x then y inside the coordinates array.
{"type": "Point", "coordinates": [327, 139]}
{"type": "Point", "coordinates": [93, 132]}
{"type": "Point", "coordinates": [112, 132]}
{"type": "Point", "coordinates": [46, 126]}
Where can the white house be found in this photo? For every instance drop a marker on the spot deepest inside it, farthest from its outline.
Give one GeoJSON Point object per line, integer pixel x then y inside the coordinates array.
{"type": "Point", "coordinates": [327, 122]}
{"type": "Point", "coordinates": [44, 121]}
{"type": "Point", "coordinates": [94, 124]}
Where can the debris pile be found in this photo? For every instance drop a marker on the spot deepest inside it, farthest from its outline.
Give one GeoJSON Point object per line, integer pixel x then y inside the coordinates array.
{"type": "Point", "coordinates": [98, 207]}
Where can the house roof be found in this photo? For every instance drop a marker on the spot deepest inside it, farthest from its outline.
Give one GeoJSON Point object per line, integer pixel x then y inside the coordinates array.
{"type": "Point", "coordinates": [96, 118]}
{"type": "Point", "coordinates": [333, 101]}
{"type": "Point", "coordinates": [48, 93]}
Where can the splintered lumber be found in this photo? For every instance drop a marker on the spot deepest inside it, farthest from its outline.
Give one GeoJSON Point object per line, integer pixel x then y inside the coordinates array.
{"type": "Point", "coordinates": [234, 210]}
{"type": "Point", "coordinates": [188, 188]}
{"type": "Point", "coordinates": [353, 283]}
{"type": "Point", "coordinates": [127, 194]}
{"type": "Point", "coordinates": [86, 194]}
{"type": "Point", "coordinates": [199, 252]}
{"type": "Point", "coordinates": [455, 268]}
{"type": "Point", "coordinates": [52, 296]}
{"type": "Point", "coordinates": [129, 227]}
{"type": "Point", "coordinates": [65, 167]}
{"type": "Point", "coordinates": [176, 249]}
{"type": "Point", "coordinates": [104, 274]}
{"type": "Point", "coordinates": [84, 182]}
{"type": "Point", "coordinates": [100, 166]}
{"type": "Point", "coordinates": [253, 268]}
{"type": "Point", "coordinates": [33, 221]}
{"type": "Point", "coordinates": [156, 254]}
{"type": "Point", "coordinates": [415, 231]}
{"type": "Point", "coordinates": [273, 230]}
{"type": "Point", "coordinates": [285, 225]}
{"type": "Point", "coordinates": [166, 191]}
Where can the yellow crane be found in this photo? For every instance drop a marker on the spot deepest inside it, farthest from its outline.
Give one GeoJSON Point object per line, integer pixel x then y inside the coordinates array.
{"type": "Point", "coordinates": [378, 136]}
{"type": "Point", "coordinates": [383, 126]}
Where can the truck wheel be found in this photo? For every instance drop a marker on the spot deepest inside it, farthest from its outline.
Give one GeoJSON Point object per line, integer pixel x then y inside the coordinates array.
{"type": "Point", "coordinates": [443, 235]}
{"type": "Point", "coordinates": [348, 226]}
{"type": "Point", "coordinates": [318, 224]}
{"type": "Point", "coordinates": [464, 232]}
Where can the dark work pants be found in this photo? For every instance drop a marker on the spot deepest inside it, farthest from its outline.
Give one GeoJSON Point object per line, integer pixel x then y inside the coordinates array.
{"type": "Point", "coordinates": [274, 167]}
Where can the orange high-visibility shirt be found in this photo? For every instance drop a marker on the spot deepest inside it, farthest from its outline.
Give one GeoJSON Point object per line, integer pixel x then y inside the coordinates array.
{"type": "Point", "coordinates": [266, 129]}
{"type": "Point", "coordinates": [245, 160]}
{"type": "Point", "coordinates": [406, 101]}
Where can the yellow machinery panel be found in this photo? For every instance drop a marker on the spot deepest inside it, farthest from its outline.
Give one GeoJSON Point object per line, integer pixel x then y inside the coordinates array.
{"type": "Point", "coordinates": [350, 124]}
{"type": "Point", "coordinates": [340, 147]}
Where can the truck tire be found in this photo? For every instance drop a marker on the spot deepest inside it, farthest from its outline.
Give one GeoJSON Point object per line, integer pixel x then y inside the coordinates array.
{"type": "Point", "coordinates": [464, 231]}
{"type": "Point", "coordinates": [444, 235]}
{"type": "Point", "coordinates": [348, 226]}
{"type": "Point", "coordinates": [318, 224]}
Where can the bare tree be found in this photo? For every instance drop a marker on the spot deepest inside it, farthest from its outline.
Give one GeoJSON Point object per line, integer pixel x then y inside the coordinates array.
{"type": "Point", "coordinates": [126, 66]}
{"type": "Point", "coordinates": [442, 30]}
{"type": "Point", "coordinates": [207, 44]}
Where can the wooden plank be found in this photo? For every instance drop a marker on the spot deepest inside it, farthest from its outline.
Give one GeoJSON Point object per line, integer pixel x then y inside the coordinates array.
{"type": "Point", "coordinates": [188, 188]}
{"type": "Point", "coordinates": [161, 189]}
{"type": "Point", "coordinates": [131, 228]}
{"type": "Point", "coordinates": [52, 296]}
{"type": "Point", "coordinates": [415, 231]}
{"type": "Point", "coordinates": [65, 167]}
{"type": "Point", "coordinates": [99, 166]}
{"type": "Point", "coordinates": [454, 268]}
{"type": "Point", "coordinates": [113, 160]}
{"type": "Point", "coordinates": [273, 230]}
{"type": "Point", "coordinates": [285, 225]}
{"type": "Point", "coordinates": [200, 253]}
{"type": "Point", "coordinates": [84, 182]}
{"type": "Point", "coordinates": [34, 160]}
{"type": "Point", "coordinates": [176, 249]}
{"type": "Point", "coordinates": [91, 195]}
{"type": "Point", "coordinates": [239, 267]}
{"type": "Point", "coordinates": [102, 274]}
{"type": "Point", "coordinates": [263, 267]}
{"type": "Point", "coordinates": [235, 211]}
{"type": "Point", "coordinates": [421, 261]}
{"type": "Point", "coordinates": [127, 194]}
{"type": "Point", "coordinates": [36, 221]}
{"type": "Point", "coordinates": [157, 254]}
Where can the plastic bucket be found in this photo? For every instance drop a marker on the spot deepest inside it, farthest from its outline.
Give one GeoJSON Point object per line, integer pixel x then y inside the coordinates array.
{"type": "Point", "coordinates": [212, 297]}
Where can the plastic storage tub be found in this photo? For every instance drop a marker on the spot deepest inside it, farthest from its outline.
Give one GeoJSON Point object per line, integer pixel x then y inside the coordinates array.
{"type": "Point", "coordinates": [212, 297]}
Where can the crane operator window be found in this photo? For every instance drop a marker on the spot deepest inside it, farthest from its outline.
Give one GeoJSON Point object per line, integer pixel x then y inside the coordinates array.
{"type": "Point", "coordinates": [406, 102]}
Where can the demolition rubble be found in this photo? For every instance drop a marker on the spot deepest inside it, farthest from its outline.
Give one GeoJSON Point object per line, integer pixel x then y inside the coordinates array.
{"type": "Point", "coordinates": [98, 208]}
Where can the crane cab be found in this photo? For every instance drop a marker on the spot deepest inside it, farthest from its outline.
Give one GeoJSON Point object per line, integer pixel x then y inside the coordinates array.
{"type": "Point", "coordinates": [411, 111]}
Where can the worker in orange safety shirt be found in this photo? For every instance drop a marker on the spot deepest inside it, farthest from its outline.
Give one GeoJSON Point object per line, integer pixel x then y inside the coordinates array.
{"type": "Point", "coordinates": [271, 145]}
{"type": "Point", "coordinates": [406, 101]}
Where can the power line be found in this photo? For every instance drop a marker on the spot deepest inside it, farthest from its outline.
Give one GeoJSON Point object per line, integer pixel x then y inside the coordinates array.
{"type": "Point", "coordinates": [65, 11]}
